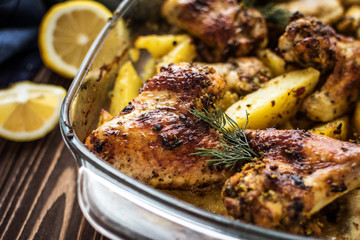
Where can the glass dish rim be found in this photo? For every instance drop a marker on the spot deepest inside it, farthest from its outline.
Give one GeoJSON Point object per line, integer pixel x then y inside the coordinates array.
{"type": "Point", "coordinates": [82, 154]}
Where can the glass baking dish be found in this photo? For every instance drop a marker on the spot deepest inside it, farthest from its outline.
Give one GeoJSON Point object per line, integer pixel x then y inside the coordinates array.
{"type": "Point", "coordinates": [113, 203]}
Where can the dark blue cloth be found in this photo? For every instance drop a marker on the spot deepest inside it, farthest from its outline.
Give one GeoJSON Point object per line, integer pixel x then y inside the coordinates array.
{"type": "Point", "coordinates": [19, 23]}
{"type": "Point", "coordinates": [19, 54]}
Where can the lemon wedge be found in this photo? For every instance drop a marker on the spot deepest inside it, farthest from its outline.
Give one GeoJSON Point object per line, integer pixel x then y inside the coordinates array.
{"type": "Point", "coordinates": [28, 111]}
{"type": "Point", "coordinates": [66, 33]}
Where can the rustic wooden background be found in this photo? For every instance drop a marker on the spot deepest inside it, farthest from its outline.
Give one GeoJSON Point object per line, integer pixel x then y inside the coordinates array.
{"type": "Point", "coordinates": [38, 198]}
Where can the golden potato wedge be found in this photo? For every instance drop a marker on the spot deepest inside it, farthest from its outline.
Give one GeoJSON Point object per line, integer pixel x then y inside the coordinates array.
{"type": "Point", "coordinates": [126, 88]}
{"type": "Point", "coordinates": [338, 129]}
{"type": "Point", "coordinates": [134, 54]}
{"type": "Point", "coordinates": [276, 102]}
{"type": "Point", "coordinates": [159, 45]}
{"type": "Point", "coordinates": [356, 118]}
{"type": "Point", "coordinates": [270, 59]}
{"type": "Point", "coordinates": [104, 117]}
{"type": "Point", "coordinates": [184, 52]}
{"type": "Point", "coordinates": [149, 69]}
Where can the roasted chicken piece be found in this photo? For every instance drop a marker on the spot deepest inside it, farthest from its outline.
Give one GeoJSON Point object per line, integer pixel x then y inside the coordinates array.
{"type": "Point", "coordinates": [310, 43]}
{"type": "Point", "coordinates": [153, 137]}
{"type": "Point", "coordinates": [243, 75]}
{"type": "Point", "coordinates": [299, 174]}
{"type": "Point", "coordinates": [226, 27]}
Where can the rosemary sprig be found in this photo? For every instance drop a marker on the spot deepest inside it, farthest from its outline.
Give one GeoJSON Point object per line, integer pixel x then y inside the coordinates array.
{"type": "Point", "coordinates": [234, 148]}
{"type": "Point", "coordinates": [248, 3]}
{"type": "Point", "coordinates": [274, 15]}
{"type": "Point", "coordinates": [270, 12]}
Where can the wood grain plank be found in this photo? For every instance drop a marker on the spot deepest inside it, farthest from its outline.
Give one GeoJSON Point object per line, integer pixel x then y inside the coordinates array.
{"type": "Point", "coordinates": [38, 197]}
{"type": "Point", "coordinates": [23, 161]}
{"type": "Point", "coordinates": [6, 163]}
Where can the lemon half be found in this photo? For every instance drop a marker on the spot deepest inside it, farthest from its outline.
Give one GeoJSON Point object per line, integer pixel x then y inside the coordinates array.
{"type": "Point", "coordinates": [29, 111]}
{"type": "Point", "coordinates": [67, 32]}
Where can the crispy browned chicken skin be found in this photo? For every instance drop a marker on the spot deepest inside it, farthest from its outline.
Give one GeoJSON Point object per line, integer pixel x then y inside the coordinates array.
{"type": "Point", "coordinates": [300, 173]}
{"type": "Point", "coordinates": [153, 137]}
{"type": "Point", "coordinates": [311, 43]}
{"type": "Point", "coordinates": [225, 26]}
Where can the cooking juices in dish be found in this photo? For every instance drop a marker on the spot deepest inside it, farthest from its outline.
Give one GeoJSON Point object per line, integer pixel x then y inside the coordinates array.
{"type": "Point", "coordinates": [176, 136]}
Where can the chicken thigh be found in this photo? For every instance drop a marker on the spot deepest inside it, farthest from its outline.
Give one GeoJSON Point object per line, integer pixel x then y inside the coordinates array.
{"type": "Point", "coordinates": [153, 137]}
{"type": "Point", "coordinates": [299, 174]}
{"type": "Point", "coordinates": [225, 26]}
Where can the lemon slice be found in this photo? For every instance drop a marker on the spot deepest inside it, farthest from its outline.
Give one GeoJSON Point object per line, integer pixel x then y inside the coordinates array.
{"type": "Point", "coordinates": [28, 111]}
{"type": "Point", "coordinates": [67, 32]}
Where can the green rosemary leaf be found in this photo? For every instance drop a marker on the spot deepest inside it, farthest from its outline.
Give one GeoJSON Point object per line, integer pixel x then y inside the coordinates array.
{"type": "Point", "coordinates": [234, 148]}
{"type": "Point", "coordinates": [248, 3]}
{"type": "Point", "coordinates": [274, 15]}
{"type": "Point", "coordinates": [270, 12]}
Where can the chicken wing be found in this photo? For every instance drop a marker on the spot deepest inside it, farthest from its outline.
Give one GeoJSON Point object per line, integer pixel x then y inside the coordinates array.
{"type": "Point", "coordinates": [153, 137]}
{"type": "Point", "coordinates": [310, 43]}
{"type": "Point", "coordinates": [300, 173]}
{"type": "Point", "coordinates": [226, 27]}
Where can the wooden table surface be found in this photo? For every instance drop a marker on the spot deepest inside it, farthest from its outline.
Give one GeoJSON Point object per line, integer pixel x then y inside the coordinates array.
{"type": "Point", "coordinates": [38, 198]}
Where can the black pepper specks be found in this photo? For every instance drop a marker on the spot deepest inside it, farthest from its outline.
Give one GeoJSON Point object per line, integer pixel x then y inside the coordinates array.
{"type": "Point", "coordinates": [98, 146]}
{"type": "Point", "coordinates": [128, 109]}
{"type": "Point", "coordinates": [338, 129]}
{"type": "Point", "coordinates": [157, 127]}
{"type": "Point", "coordinates": [338, 188]}
{"type": "Point", "coordinates": [170, 142]}
{"type": "Point", "coordinates": [183, 117]}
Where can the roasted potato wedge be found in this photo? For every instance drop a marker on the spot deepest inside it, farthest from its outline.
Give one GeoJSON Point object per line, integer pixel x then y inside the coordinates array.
{"type": "Point", "coordinates": [276, 102]}
{"type": "Point", "coordinates": [356, 118]}
{"type": "Point", "coordinates": [184, 52]}
{"type": "Point", "coordinates": [159, 45]}
{"type": "Point", "coordinates": [104, 117]}
{"type": "Point", "coordinates": [338, 129]}
{"type": "Point", "coordinates": [126, 88]}
{"type": "Point", "coordinates": [270, 59]}
{"type": "Point", "coordinates": [149, 69]}
{"type": "Point", "coordinates": [134, 54]}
